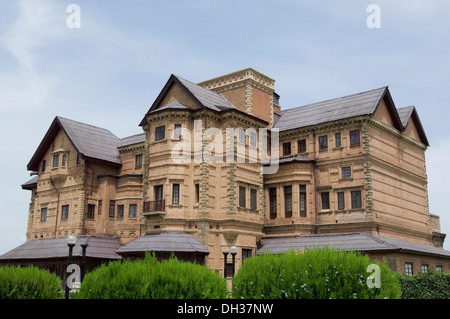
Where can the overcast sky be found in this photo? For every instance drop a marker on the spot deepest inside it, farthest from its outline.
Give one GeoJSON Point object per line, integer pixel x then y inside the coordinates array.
{"type": "Point", "coordinates": [109, 71]}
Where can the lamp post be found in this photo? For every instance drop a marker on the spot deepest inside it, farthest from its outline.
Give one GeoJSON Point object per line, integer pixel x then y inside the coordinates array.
{"type": "Point", "coordinates": [233, 251]}
{"type": "Point", "coordinates": [71, 240]}
{"type": "Point", "coordinates": [83, 260]}
{"type": "Point", "coordinates": [225, 255]}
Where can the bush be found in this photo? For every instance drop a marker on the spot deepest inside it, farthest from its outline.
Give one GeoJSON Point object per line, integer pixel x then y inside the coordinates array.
{"type": "Point", "coordinates": [315, 274]}
{"type": "Point", "coordinates": [150, 279]}
{"type": "Point", "coordinates": [29, 283]}
{"type": "Point", "coordinates": [429, 285]}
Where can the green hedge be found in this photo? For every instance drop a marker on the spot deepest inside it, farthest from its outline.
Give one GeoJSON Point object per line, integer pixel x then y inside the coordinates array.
{"type": "Point", "coordinates": [314, 274]}
{"type": "Point", "coordinates": [150, 279]}
{"type": "Point", "coordinates": [429, 285]}
{"type": "Point", "coordinates": [29, 283]}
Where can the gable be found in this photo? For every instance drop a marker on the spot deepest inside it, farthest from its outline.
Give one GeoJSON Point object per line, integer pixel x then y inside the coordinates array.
{"type": "Point", "coordinates": [411, 130]}
{"type": "Point", "coordinates": [175, 93]}
{"type": "Point", "coordinates": [382, 114]}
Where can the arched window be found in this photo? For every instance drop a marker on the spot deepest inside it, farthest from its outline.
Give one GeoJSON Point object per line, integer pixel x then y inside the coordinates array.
{"type": "Point", "coordinates": [63, 160]}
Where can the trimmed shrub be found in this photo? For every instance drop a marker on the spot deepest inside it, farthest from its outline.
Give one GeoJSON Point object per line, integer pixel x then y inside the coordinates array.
{"type": "Point", "coordinates": [29, 283]}
{"type": "Point", "coordinates": [150, 279]}
{"type": "Point", "coordinates": [315, 274]}
{"type": "Point", "coordinates": [429, 285]}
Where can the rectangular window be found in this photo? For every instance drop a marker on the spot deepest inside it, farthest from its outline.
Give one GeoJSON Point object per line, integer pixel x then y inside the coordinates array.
{"type": "Point", "coordinates": [325, 200]}
{"type": "Point", "coordinates": [438, 268]}
{"type": "Point", "coordinates": [112, 208]}
{"type": "Point", "coordinates": [91, 211]}
{"type": "Point", "coordinates": [197, 193]}
{"type": "Point", "coordinates": [354, 137]}
{"type": "Point", "coordinates": [346, 172]}
{"type": "Point", "coordinates": [139, 160]}
{"type": "Point", "coordinates": [65, 212]}
{"type": "Point", "coordinates": [273, 202]}
{"type": "Point", "coordinates": [63, 162]}
{"type": "Point", "coordinates": [356, 199]}
{"type": "Point", "coordinates": [160, 133]}
{"type": "Point", "coordinates": [176, 194]}
{"type": "Point", "coordinates": [100, 204]}
{"type": "Point", "coordinates": [132, 211]}
{"type": "Point", "coordinates": [120, 209]}
{"type": "Point", "coordinates": [302, 200]}
{"type": "Point", "coordinates": [287, 201]}
{"type": "Point", "coordinates": [241, 196]}
{"type": "Point", "coordinates": [424, 268]}
{"type": "Point", "coordinates": [341, 201]}
{"type": "Point", "coordinates": [286, 149]}
{"type": "Point", "coordinates": [79, 158]}
{"type": "Point", "coordinates": [241, 135]}
{"type": "Point", "coordinates": [253, 198]}
{"type": "Point", "coordinates": [301, 145]}
{"type": "Point", "coordinates": [253, 139]}
{"type": "Point", "coordinates": [323, 142]}
{"type": "Point", "coordinates": [44, 214]}
{"type": "Point", "coordinates": [177, 131]}
{"type": "Point", "coordinates": [337, 138]}
{"type": "Point", "coordinates": [246, 253]}
{"type": "Point", "coordinates": [55, 160]}
{"type": "Point", "coordinates": [159, 192]}
{"type": "Point", "coordinates": [408, 269]}
{"type": "Point", "coordinates": [44, 163]}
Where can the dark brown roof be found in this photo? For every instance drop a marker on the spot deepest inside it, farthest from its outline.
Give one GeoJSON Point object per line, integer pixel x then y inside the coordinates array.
{"type": "Point", "coordinates": [31, 183]}
{"type": "Point", "coordinates": [364, 103]}
{"type": "Point", "coordinates": [406, 114]}
{"type": "Point", "coordinates": [99, 247]}
{"type": "Point", "coordinates": [90, 141]}
{"type": "Point", "coordinates": [350, 242]}
{"type": "Point", "coordinates": [203, 97]}
{"type": "Point", "coordinates": [164, 242]}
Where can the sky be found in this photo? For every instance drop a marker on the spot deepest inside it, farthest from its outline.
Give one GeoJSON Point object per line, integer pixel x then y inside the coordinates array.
{"type": "Point", "coordinates": [107, 67]}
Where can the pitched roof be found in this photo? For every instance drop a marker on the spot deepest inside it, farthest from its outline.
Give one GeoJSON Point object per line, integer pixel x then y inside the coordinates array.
{"type": "Point", "coordinates": [133, 139]}
{"type": "Point", "coordinates": [166, 241]}
{"type": "Point", "coordinates": [350, 242]}
{"type": "Point", "coordinates": [203, 97]}
{"type": "Point", "coordinates": [410, 112]}
{"type": "Point", "coordinates": [90, 141]}
{"type": "Point", "coordinates": [31, 183]}
{"type": "Point", "coordinates": [99, 247]}
{"type": "Point", "coordinates": [364, 103]}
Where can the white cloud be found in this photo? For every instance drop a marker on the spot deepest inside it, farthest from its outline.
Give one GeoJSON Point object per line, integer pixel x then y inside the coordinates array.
{"type": "Point", "coordinates": [23, 87]}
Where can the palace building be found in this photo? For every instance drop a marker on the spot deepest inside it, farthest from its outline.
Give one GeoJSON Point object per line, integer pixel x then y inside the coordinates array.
{"type": "Point", "coordinates": [348, 173]}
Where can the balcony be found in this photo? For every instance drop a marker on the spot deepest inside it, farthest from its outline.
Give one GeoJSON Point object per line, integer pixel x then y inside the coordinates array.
{"type": "Point", "coordinates": [157, 207]}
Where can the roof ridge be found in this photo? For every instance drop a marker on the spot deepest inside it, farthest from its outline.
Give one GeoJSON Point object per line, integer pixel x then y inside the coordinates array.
{"type": "Point", "coordinates": [380, 240]}
{"type": "Point", "coordinates": [336, 98]}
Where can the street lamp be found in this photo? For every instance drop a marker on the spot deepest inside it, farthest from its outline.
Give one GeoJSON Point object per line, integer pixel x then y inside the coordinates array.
{"type": "Point", "coordinates": [83, 260]}
{"type": "Point", "coordinates": [71, 240]}
{"type": "Point", "coordinates": [233, 252]}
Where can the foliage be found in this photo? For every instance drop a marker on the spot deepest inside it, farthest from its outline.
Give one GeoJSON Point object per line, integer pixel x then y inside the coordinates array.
{"type": "Point", "coordinates": [29, 283]}
{"type": "Point", "coordinates": [314, 274]}
{"type": "Point", "coordinates": [429, 285]}
{"type": "Point", "coordinates": [150, 279]}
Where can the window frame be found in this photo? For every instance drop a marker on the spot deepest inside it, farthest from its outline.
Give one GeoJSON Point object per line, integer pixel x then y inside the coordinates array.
{"type": "Point", "coordinates": [341, 200]}
{"type": "Point", "coordinates": [337, 140]}
{"type": "Point", "coordinates": [253, 199]}
{"type": "Point", "coordinates": [346, 172]}
{"type": "Point", "coordinates": [160, 136]}
{"type": "Point", "coordinates": [323, 142]}
{"type": "Point", "coordinates": [301, 146]}
{"type": "Point", "coordinates": [242, 196]}
{"type": "Point", "coordinates": [273, 202]}
{"type": "Point", "coordinates": [355, 140]}
{"type": "Point", "coordinates": [409, 269]}
{"type": "Point", "coordinates": [325, 200]}
{"type": "Point", "coordinates": [177, 131]}
{"type": "Point", "coordinates": [287, 191]}
{"type": "Point", "coordinates": [176, 194]}
{"type": "Point", "coordinates": [55, 163]}
{"type": "Point", "coordinates": [112, 208]}
{"type": "Point", "coordinates": [135, 211]}
{"type": "Point", "coordinates": [120, 211]}
{"type": "Point", "coordinates": [138, 160]}
{"type": "Point", "coordinates": [64, 212]}
{"type": "Point", "coordinates": [90, 211]}
{"type": "Point", "coordinates": [302, 202]}
{"type": "Point", "coordinates": [287, 148]}
{"type": "Point", "coordinates": [44, 215]}
{"type": "Point", "coordinates": [356, 197]}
